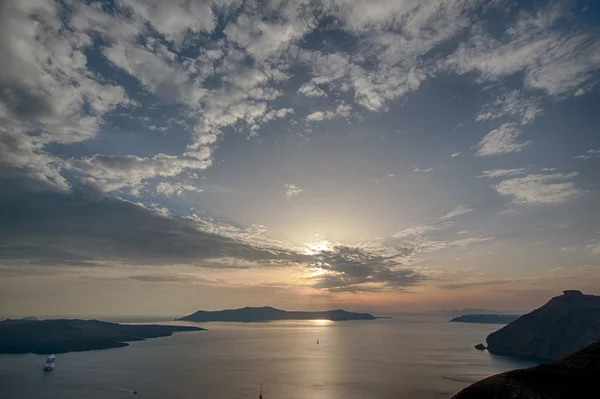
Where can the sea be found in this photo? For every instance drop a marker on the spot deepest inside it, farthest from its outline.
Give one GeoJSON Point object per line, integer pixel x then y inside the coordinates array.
{"type": "Point", "coordinates": [407, 356]}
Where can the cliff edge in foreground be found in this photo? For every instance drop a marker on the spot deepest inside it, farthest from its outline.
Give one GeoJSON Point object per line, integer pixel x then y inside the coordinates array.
{"type": "Point", "coordinates": [575, 376]}
{"type": "Point", "coordinates": [563, 325]}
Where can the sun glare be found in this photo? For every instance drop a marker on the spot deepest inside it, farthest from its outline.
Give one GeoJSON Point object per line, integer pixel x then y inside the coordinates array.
{"type": "Point", "coordinates": [313, 248]}
{"type": "Point", "coordinates": [321, 322]}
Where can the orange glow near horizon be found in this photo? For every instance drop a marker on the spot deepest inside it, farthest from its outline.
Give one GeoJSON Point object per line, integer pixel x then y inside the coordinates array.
{"type": "Point", "coordinates": [321, 322]}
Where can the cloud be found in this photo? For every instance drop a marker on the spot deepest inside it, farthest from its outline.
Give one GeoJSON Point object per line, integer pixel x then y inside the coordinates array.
{"type": "Point", "coordinates": [354, 269]}
{"type": "Point", "coordinates": [341, 111]}
{"type": "Point", "coordinates": [46, 93]}
{"type": "Point", "coordinates": [558, 61]}
{"type": "Point", "coordinates": [112, 173]}
{"type": "Point", "coordinates": [425, 245]}
{"type": "Point", "coordinates": [420, 230]}
{"type": "Point", "coordinates": [593, 153]}
{"type": "Point", "coordinates": [472, 284]}
{"type": "Point", "coordinates": [292, 190]}
{"type": "Point", "coordinates": [425, 170]}
{"type": "Point", "coordinates": [54, 228]}
{"type": "Point", "coordinates": [175, 189]}
{"type": "Point", "coordinates": [502, 172]}
{"type": "Point", "coordinates": [502, 140]}
{"type": "Point", "coordinates": [594, 248]}
{"type": "Point", "coordinates": [42, 229]}
{"type": "Point", "coordinates": [540, 188]}
{"type": "Point", "coordinates": [183, 278]}
{"type": "Point", "coordinates": [458, 211]}
{"type": "Point", "coordinates": [54, 89]}
{"type": "Point", "coordinates": [438, 224]}
{"type": "Point", "coordinates": [311, 90]}
{"type": "Point", "coordinates": [455, 154]}
{"type": "Point", "coordinates": [511, 104]}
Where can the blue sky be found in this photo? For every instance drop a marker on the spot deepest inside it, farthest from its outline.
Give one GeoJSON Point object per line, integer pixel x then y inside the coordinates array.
{"type": "Point", "coordinates": [382, 155]}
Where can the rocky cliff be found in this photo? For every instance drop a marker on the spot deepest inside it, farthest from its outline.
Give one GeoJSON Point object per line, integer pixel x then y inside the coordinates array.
{"type": "Point", "coordinates": [563, 325]}
{"type": "Point", "coordinates": [575, 376]}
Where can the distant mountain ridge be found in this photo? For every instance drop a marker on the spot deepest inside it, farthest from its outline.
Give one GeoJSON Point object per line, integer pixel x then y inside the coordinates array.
{"type": "Point", "coordinates": [267, 313]}
{"type": "Point", "coordinates": [466, 311]}
{"type": "Point", "coordinates": [486, 318]}
{"type": "Point", "coordinates": [563, 325]}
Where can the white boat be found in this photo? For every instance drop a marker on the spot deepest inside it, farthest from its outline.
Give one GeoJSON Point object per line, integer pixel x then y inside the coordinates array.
{"type": "Point", "coordinates": [49, 365]}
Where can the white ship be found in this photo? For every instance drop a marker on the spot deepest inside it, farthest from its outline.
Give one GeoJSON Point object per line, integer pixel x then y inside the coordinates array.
{"type": "Point", "coordinates": [49, 365]}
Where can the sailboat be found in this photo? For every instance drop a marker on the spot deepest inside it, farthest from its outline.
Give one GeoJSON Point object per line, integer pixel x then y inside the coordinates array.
{"type": "Point", "coordinates": [50, 362]}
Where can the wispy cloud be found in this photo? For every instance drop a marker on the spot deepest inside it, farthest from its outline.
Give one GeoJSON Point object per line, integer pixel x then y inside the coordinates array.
{"type": "Point", "coordinates": [502, 140]}
{"type": "Point", "coordinates": [540, 189]}
{"type": "Point", "coordinates": [423, 170]}
{"type": "Point", "coordinates": [502, 172]}
{"type": "Point", "coordinates": [341, 111]}
{"type": "Point", "coordinates": [440, 223]}
{"type": "Point", "coordinates": [420, 230]}
{"type": "Point", "coordinates": [511, 104]}
{"type": "Point", "coordinates": [176, 188]}
{"type": "Point", "coordinates": [458, 211]}
{"type": "Point", "coordinates": [593, 153]}
{"type": "Point", "coordinates": [311, 90]}
{"type": "Point", "coordinates": [558, 62]}
{"type": "Point", "coordinates": [292, 190]}
{"type": "Point", "coordinates": [475, 283]}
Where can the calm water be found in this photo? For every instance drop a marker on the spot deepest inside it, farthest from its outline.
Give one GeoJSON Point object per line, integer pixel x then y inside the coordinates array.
{"type": "Point", "coordinates": [409, 357]}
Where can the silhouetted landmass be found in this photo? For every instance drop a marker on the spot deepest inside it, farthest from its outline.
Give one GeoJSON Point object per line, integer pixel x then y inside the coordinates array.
{"type": "Point", "coordinates": [486, 318]}
{"type": "Point", "coordinates": [62, 335]}
{"type": "Point", "coordinates": [267, 313]}
{"type": "Point", "coordinates": [460, 312]}
{"type": "Point", "coordinates": [575, 376]}
{"type": "Point", "coordinates": [563, 325]}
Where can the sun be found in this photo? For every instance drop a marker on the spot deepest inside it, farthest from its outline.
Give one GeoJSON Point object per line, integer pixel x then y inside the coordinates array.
{"type": "Point", "coordinates": [315, 247]}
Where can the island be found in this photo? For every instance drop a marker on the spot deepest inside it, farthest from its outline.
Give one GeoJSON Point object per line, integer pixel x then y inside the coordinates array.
{"type": "Point", "coordinates": [485, 318]}
{"type": "Point", "coordinates": [74, 335]}
{"type": "Point", "coordinates": [267, 313]}
{"type": "Point", "coordinates": [562, 326]}
{"type": "Point", "coordinates": [575, 376]}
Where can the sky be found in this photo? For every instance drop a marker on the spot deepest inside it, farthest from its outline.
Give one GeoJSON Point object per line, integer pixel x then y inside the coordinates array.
{"type": "Point", "coordinates": [159, 157]}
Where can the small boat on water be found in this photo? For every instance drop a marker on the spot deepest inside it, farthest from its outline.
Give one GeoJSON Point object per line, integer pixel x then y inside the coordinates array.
{"type": "Point", "coordinates": [50, 362]}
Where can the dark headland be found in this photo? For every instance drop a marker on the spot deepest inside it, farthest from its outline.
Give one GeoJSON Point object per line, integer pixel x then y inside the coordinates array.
{"type": "Point", "coordinates": [575, 376]}
{"type": "Point", "coordinates": [73, 335]}
{"type": "Point", "coordinates": [565, 328]}
{"type": "Point", "coordinates": [485, 318]}
{"type": "Point", "coordinates": [267, 313]}
{"type": "Point", "coordinates": [562, 326]}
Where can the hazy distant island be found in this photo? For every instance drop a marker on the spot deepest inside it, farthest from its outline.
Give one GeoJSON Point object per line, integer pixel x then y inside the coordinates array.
{"type": "Point", "coordinates": [575, 376]}
{"type": "Point", "coordinates": [485, 318]}
{"type": "Point", "coordinates": [461, 312]}
{"type": "Point", "coordinates": [268, 313]}
{"type": "Point", "coordinates": [565, 324]}
{"type": "Point", "coordinates": [73, 335]}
